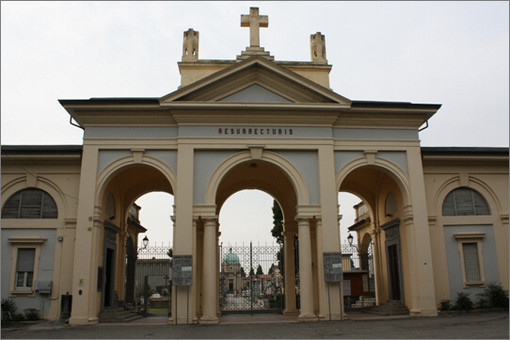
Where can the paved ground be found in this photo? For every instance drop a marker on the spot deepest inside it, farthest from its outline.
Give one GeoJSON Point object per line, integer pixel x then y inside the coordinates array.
{"type": "Point", "coordinates": [487, 325]}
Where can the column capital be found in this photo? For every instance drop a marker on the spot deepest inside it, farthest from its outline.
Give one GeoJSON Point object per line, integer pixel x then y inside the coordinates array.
{"type": "Point", "coordinates": [210, 221]}
{"type": "Point", "coordinates": [301, 220]}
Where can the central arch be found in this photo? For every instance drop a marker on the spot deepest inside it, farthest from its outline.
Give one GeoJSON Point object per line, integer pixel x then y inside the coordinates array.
{"type": "Point", "coordinates": [293, 176]}
{"type": "Point", "coordinates": [273, 174]}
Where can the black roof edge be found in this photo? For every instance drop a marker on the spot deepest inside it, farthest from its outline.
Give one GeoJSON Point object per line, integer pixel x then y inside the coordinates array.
{"type": "Point", "coordinates": [357, 224]}
{"type": "Point", "coordinates": [375, 104]}
{"type": "Point", "coordinates": [462, 150]}
{"type": "Point", "coordinates": [41, 149]}
{"type": "Point", "coordinates": [110, 101]}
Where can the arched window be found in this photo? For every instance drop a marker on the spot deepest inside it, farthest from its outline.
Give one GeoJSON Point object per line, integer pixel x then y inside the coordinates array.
{"type": "Point", "coordinates": [465, 202]}
{"type": "Point", "coordinates": [30, 203]}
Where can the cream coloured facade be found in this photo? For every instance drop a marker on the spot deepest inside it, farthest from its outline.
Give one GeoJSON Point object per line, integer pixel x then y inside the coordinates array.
{"type": "Point", "coordinates": [254, 123]}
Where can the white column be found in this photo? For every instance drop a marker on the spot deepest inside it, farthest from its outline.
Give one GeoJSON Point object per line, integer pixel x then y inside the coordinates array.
{"type": "Point", "coordinates": [305, 272]}
{"type": "Point", "coordinates": [209, 292]}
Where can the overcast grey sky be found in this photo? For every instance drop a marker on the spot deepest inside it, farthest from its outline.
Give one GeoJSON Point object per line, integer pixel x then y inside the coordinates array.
{"type": "Point", "coordinates": [450, 53]}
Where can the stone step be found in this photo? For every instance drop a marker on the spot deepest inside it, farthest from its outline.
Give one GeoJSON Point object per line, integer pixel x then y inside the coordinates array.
{"type": "Point", "coordinates": [111, 315]}
{"type": "Point", "coordinates": [389, 308]}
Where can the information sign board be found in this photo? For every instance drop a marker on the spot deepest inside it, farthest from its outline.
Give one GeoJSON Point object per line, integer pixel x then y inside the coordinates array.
{"type": "Point", "coordinates": [332, 267]}
{"type": "Point", "coordinates": [181, 270]}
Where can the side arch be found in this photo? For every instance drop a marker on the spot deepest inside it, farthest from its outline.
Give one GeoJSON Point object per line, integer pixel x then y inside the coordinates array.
{"type": "Point", "coordinates": [109, 172]}
{"type": "Point", "coordinates": [400, 178]}
{"type": "Point", "coordinates": [295, 177]}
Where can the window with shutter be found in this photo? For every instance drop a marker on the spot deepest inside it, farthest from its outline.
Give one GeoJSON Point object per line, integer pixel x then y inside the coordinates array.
{"type": "Point", "coordinates": [25, 268]}
{"type": "Point", "coordinates": [470, 251]}
{"type": "Point", "coordinates": [30, 203]}
{"type": "Point", "coordinates": [471, 264]}
{"type": "Point", "coordinates": [465, 202]}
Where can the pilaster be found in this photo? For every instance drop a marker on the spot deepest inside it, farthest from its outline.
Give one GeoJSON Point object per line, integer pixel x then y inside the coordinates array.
{"type": "Point", "coordinates": [415, 219]}
{"type": "Point", "coordinates": [182, 236]}
{"type": "Point", "coordinates": [84, 284]}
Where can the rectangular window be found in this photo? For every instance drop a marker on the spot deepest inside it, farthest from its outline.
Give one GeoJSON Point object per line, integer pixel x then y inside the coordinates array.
{"type": "Point", "coordinates": [25, 268]}
{"type": "Point", "coordinates": [471, 262]}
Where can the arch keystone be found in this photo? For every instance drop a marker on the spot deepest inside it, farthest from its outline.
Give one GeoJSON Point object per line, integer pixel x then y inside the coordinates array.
{"type": "Point", "coordinates": [256, 151]}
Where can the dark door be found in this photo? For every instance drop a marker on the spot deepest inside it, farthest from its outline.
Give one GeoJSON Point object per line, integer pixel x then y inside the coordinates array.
{"type": "Point", "coordinates": [394, 272]}
{"type": "Point", "coordinates": [109, 277]}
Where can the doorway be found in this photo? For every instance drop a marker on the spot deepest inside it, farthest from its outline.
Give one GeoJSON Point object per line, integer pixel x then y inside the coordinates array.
{"type": "Point", "coordinates": [392, 233]}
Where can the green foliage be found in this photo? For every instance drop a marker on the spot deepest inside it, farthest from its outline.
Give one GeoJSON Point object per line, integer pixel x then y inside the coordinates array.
{"type": "Point", "coordinates": [8, 311]}
{"type": "Point", "coordinates": [272, 269]}
{"type": "Point", "coordinates": [140, 292]}
{"type": "Point", "coordinates": [493, 296]}
{"type": "Point", "coordinates": [31, 314]}
{"type": "Point", "coordinates": [276, 301]}
{"type": "Point", "coordinates": [18, 317]}
{"type": "Point", "coordinates": [277, 223]}
{"type": "Point", "coordinates": [252, 272]}
{"type": "Point", "coordinates": [463, 302]}
{"type": "Point", "coordinates": [445, 305]}
{"type": "Point", "coordinates": [170, 253]}
{"type": "Point", "coordinates": [259, 270]}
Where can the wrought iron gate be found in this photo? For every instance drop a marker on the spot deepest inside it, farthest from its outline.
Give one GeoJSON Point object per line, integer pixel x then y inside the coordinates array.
{"type": "Point", "coordinates": [152, 280]}
{"type": "Point", "coordinates": [251, 279]}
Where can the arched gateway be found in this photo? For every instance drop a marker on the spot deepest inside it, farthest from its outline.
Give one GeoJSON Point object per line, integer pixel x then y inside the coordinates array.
{"type": "Point", "coordinates": [252, 122]}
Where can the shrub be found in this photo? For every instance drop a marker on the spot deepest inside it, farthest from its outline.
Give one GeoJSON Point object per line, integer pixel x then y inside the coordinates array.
{"type": "Point", "coordinates": [445, 305]}
{"type": "Point", "coordinates": [276, 301]}
{"type": "Point", "coordinates": [31, 314]}
{"type": "Point", "coordinates": [8, 311]}
{"type": "Point", "coordinates": [19, 317]}
{"type": "Point", "coordinates": [463, 302]}
{"type": "Point", "coordinates": [494, 296]}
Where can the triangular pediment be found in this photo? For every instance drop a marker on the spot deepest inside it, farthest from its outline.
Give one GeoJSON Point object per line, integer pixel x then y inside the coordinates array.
{"type": "Point", "coordinates": [255, 80]}
{"type": "Point", "coordinates": [255, 94]}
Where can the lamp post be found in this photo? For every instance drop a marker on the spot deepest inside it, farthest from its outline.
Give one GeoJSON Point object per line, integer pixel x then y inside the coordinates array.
{"type": "Point", "coordinates": [145, 242]}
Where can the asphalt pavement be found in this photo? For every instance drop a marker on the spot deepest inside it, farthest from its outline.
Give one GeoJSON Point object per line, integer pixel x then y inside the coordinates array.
{"type": "Point", "coordinates": [486, 325]}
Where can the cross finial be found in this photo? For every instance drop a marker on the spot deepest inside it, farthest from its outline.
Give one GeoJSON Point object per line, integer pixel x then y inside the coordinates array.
{"type": "Point", "coordinates": [254, 21]}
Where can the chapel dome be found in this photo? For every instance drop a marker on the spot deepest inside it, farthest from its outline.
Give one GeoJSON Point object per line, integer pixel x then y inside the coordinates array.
{"type": "Point", "coordinates": [231, 258]}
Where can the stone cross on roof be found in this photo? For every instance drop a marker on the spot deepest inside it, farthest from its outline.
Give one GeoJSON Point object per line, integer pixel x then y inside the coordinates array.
{"type": "Point", "coordinates": [254, 21]}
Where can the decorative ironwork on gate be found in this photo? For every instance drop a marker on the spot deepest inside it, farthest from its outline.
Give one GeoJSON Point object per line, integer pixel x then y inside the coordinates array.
{"type": "Point", "coordinates": [152, 282]}
{"type": "Point", "coordinates": [251, 279]}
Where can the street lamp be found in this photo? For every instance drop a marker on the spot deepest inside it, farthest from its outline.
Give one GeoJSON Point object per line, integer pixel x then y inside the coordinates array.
{"type": "Point", "coordinates": [145, 242]}
{"type": "Point", "coordinates": [350, 238]}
